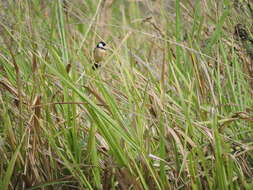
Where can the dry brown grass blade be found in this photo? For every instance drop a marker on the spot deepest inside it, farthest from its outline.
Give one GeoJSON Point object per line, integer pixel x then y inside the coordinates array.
{"type": "Point", "coordinates": [188, 139]}
{"type": "Point", "coordinates": [108, 174]}
{"type": "Point", "coordinates": [172, 132]}
{"type": "Point", "coordinates": [247, 67]}
{"type": "Point", "coordinates": [99, 98]}
{"type": "Point", "coordinates": [152, 107]}
{"type": "Point", "coordinates": [235, 117]}
{"type": "Point", "coordinates": [9, 45]}
{"type": "Point", "coordinates": [33, 162]}
{"type": "Point", "coordinates": [154, 24]}
{"type": "Point", "coordinates": [8, 86]}
{"type": "Point", "coordinates": [243, 116]}
{"type": "Point", "coordinates": [37, 113]}
{"type": "Point", "coordinates": [126, 180]}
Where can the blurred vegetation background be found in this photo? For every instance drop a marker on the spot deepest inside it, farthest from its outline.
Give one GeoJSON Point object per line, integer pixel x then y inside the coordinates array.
{"type": "Point", "coordinates": [170, 108]}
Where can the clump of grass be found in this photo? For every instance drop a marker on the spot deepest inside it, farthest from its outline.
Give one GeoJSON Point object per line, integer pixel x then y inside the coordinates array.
{"type": "Point", "coordinates": [171, 107]}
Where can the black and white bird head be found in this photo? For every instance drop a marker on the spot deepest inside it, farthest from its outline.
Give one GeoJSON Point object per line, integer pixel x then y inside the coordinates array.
{"type": "Point", "coordinates": [101, 45]}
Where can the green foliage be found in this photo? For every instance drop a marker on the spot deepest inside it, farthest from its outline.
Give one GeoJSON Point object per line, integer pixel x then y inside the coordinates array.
{"type": "Point", "coordinates": [170, 108]}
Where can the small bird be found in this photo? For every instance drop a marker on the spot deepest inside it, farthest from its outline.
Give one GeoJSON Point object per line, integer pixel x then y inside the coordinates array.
{"type": "Point", "coordinates": [99, 54]}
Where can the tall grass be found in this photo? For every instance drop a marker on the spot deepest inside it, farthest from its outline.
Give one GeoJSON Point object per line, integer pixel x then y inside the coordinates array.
{"type": "Point", "coordinates": [171, 107]}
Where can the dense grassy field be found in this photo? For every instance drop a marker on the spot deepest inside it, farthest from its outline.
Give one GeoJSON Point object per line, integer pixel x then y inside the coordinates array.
{"type": "Point", "coordinates": [170, 108]}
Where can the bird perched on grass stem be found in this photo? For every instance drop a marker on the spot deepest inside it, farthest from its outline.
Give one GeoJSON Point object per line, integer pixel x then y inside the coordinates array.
{"type": "Point", "coordinates": [99, 54]}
